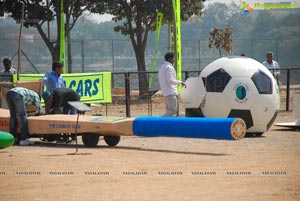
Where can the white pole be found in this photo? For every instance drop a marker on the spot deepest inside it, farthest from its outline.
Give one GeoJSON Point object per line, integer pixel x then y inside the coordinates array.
{"type": "Point", "coordinates": [19, 42]}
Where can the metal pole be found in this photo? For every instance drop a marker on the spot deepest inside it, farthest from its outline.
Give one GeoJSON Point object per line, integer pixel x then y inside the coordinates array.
{"type": "Point", "coordinates": [187, 75]}
{"type": "Point", "coordinates": [127, 93]}
{"type": "Point", "coordinates": [175, 38]}
{"type": "Point", "coordinates": [287, 90]}
{"type": "Point", "coordinates": [169, 38]}
{"type": "Point", "coordinates": [76, 133]}
{"type": "Point", "coordinates": [277, 50]}
{"type": "Point", "coordinates": [82, 55]}
{"type": "Point", "coordinates": [252, 48]}
{"type": "Point", "coordinates": [20, 41]}
{"type": "Point", "coordinates": [33, 66]}
{"type": "Point", "coordinates": [112, 55]}
{"type": "Point", "coordinates": [199, 54]}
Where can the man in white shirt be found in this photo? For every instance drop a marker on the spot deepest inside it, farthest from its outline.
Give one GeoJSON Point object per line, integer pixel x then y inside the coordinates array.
{"type": "Point", "coordinates": [168, 84]}
{"type": "Point", "coordinates": [5, 74]}
{"type": "Point", "coordinates": [271, 64]}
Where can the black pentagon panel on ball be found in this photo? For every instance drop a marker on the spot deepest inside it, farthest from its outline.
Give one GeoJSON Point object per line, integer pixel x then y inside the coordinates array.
{"type": "Point", "coordinates": [193, 112]}
{"type": "Point", "coordinates": [243, 114]}
{"type": "Point", "coordinates": [217, 81]}
{"type": "Point", "coordinates": [262, 82]}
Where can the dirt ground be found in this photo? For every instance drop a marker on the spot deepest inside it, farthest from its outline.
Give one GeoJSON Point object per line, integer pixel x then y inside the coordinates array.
{"type": "Point", "coordinates": [258, 168]}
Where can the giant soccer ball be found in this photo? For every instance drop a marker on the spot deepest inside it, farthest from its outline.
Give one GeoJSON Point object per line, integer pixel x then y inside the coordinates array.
{"type": "Point", "coordinates": [234, 87]}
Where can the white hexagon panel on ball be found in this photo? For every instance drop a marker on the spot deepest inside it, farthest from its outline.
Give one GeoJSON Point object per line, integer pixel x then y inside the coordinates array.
{"type": "Point", "coordinates": [193, 94]}
{"type": "Point", "coordinates": [215, 105]}
{"type": "Point", "coordinates": [241, 87]}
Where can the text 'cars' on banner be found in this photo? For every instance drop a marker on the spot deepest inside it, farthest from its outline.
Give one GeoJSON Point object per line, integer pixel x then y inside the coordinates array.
{"type": "Point", "coordinates": [92, 87]}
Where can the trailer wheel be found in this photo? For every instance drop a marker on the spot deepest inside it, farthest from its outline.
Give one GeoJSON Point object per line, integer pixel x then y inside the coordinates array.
{"type": "Point", "coordinates": [50, 137]}
{"type": "Point", "coordinates": [112, 140]}
{"type": "Point", "coordinates": [90, 139]}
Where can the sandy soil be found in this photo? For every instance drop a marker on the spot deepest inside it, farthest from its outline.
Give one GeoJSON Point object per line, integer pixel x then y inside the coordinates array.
{"type": "Point", "coordinates": [263, 168]}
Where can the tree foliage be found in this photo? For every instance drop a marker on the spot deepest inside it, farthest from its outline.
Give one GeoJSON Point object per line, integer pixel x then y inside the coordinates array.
{"type": "Point", "coordinates": [138, 18]}
{"type": "Point", "coordinates": [40, 12]}
{"type": "Point", "coordinates": [221, 39]}
{"type": "Point", "coordinates": [249, 37]}
{"type": "Point", "coordinates": [2, 10]}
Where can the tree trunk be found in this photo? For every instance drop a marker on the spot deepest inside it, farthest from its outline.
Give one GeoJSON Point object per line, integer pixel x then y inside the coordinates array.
{"type": "Point", "coordinates": [142, 75]}
{"type": "Point", "coordinates": [53, 48]}
{"type": "Point", "coordinates": [139, 46]}
{"type": "Point", "coordinates": [55, 53]}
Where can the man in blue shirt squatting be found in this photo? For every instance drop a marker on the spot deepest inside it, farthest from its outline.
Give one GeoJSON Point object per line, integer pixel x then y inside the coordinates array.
{"type": "Point", "coordinates": [54, 80]}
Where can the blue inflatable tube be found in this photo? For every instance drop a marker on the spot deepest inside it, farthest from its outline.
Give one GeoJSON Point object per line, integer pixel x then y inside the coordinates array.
{"type": "Point", "coordinates": [208, 128]}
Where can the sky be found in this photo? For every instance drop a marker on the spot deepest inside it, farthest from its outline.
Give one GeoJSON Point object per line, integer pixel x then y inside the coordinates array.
{"type": "Point", "coordinates": [222, 1]}
{"type": "Point", "coordinates": [102, 18]}
{"type": "Point", "coordinates": [99, 18]}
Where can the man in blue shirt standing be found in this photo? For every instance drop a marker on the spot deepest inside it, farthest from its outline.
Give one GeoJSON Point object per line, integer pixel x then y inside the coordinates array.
{"type": "Point", "coordinates": [54, 79]}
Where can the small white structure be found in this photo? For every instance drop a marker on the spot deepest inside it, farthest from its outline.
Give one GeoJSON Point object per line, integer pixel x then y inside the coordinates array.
{"type": "Point", "coordinates": [234, 87]}
{"type": "Point", "coordinates": [296, 113]}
